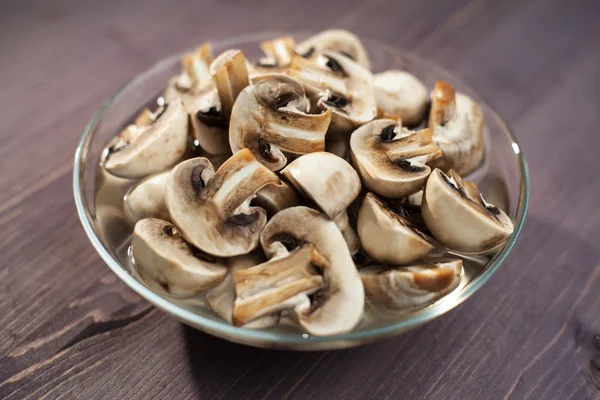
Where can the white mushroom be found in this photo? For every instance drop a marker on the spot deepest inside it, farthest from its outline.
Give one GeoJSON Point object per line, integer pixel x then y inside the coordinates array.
{"type": "Point", "coordinates": [167, 262]}
{"type": "Point", "coordinates": [459, 218]}
{"type": "Point", "coordinates": [276, 197]}
{"type": "Point", "coordinates": [212, 209]}
{"type": "Point", "coordinates": [411, 286]}
{"type": "Point", "coordinates": [388, 236]}
{"type": "Point", "coordinates": [278, 56]}
{"type": "Point", "coordinates": [270, 118]}
{"type": "Point", "coordinates": [155, 143]}
{"type": "Point", "coordinates": [338, 307]}
{"type": "Point", "coordinates": [401, 95]}
{"type": "Point", "coordinates": [457, 124]}
{"type": "Point", "coordinates": [231, 77]}
{"type": "Point", "coordinates": [331, 184]}
{"type": "Point", "coordinates": [337, 40]}
{"type": "Point", "coordinates": [146, 199]}
{"type": "Point", "coordinates": [391, 160]}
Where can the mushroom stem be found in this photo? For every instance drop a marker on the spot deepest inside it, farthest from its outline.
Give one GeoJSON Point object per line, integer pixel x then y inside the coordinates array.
{"type": "Point", "coordinates": [280, 50]}
{"type": "Point", "coordinates": [443, 103]}
{"type": "Point", "coordinates": [231, 77]}
{"type": "Point", "coordinates": [310, 73]}
{"type": "Point", "coordinates": [196, 64]}
{"type": "Point", "coordinates": [350, 236]}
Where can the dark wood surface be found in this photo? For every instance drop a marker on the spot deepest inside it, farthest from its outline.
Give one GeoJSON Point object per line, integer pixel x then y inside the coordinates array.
{"type": "Point", "coordinates": [70, 329]}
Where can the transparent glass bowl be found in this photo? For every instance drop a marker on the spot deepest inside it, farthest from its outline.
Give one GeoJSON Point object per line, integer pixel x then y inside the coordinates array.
{"type": "Point", "coordinates": [502, 179]}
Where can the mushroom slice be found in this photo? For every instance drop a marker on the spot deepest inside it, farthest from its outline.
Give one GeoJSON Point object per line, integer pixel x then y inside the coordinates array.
{"type": "Point", "coordinates": [331, 184]}
{"type": "Point", "coordinates": [195, 74]}
{"type": "Point", "coordinates": [411, 286]}
{"type": "Point", "coordinates": [457, 124]}
{"type": "Point", "coordinates": [337, 40]}
{"type": "Point", "coordinates": [459, 218]}
{"type": "Point", "coordinates": [388, 236]}
{"type": "Point", "coordinates": [391, 160]}
{"type": "Point", "coordinates": [277, 284]}
{"type": "Point", "coordinates": [231, 77]}
{"type": "Point", "coordinates": [279, 53]}
{"type": "Point", "coordinates": [338, 306]}
{"type": "Point", "coordinates": [276, 197]}
{"type": "Point", "coordinates": [401, 95]}
{"type": "Point", "coordinates": [166, 261]}
{"type": "Point", "coordinates": [212, 209]}
{"type": "Point", "coordinates": [270, 117]}
{"type": "Point", "coordinates": [155, 143]}
{"type": "Point", "coordinates": [146, 199]}
{"type": "Point", "coordinates": [341, 85]}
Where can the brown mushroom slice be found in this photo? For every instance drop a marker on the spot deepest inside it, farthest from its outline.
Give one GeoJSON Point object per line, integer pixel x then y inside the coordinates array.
{"type": "Point", "coordinates": [411, 286]}
{"type": "Point", "coordinates": [340, 85]}
{"type": "Point", "coordinates": [331, 184]}
{"type": "Point", "coordinates": [459, 218]}
{"type": "Point", "coordinates": [270, 118]}
{"type": "Point", "coordinates": [387, 236]}
{"type": "Point", "coordinates": [146, 199]}
{"type": "Point", "coordinates": [154, 144]}
{"type": "Point", "coordinates": [277, 284]}
{"type": "Point", "coordinates": [276, 197]}
{"type": "Point", "coordinates": [401, 95]}
{"type": "Point", "coordinates": [337, 40]}
{"type": "Point", "coordinates": [457, 124]}
{"type": "Point", "coordinates": [212, 209]}
{"type": "Point", "coordinates": [338, 307]}
{"type": "Point", "coordinates": [167, 262]}
{"type": "Point", "coordinates": [231, 77]}
{"type": "Point", "coordinates": [278, 56]}
{"type": "Point", "coordinates": [391, 160]}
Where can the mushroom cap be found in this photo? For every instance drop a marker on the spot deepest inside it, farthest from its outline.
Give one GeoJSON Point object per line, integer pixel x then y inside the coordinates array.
{"type": "Point", "coordinates": [146, 199]}
{"type": "Point", "coordinates": [270, 117]}
{"type": "Point", "coordinates": [338, 40]}
{"type": "Point", "coordinates": [388, 237]}
{"type": "Point", "coordinates": [167, 262]}
{"type": "Point", "coordinates": [411, 286]}
{"type": "Point", "coordinates": [156, 146]}
{"type": "Point", "coordinates": [459, 218]}
{"type": "Point", "coordinates": [391, 160]}
{"type": "Point", "coordinates": [402, 95]}
{"type": "Point", "coordinates": [326, 180]}
{"type": "Point", "coordinates": [457, 124]}
{"type": "Point", "coordinates": [212, 209]}
{"type": "Point", "coordinates": [338, 308]}
{"type": "Point", "coordinates": [276, 197]}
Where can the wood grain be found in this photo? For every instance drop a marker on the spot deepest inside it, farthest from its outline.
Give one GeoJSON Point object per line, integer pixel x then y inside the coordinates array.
{"type": "Point", "coordinates": [70, 329]}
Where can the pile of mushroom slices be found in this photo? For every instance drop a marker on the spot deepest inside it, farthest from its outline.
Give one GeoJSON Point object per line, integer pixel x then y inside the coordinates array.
{"type": "Point", "coordinates": [305, 189]}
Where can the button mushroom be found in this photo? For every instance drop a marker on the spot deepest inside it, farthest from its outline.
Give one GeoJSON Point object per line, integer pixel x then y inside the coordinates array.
{"type": "Point", "coordinates": [391, 160]}
{"type": "Point", "coordinates": [387, 236]}
{"type": "Point", "coordinates": [155, 143]}
{"type": "Point", "coordinates": [337, 40]}
{"type": "Point", "coordinates": [331, 184]}
{"type": "Point", "coordinates": [146, 199]}
{"type": "Point", "coordinates": [458, 216]}
{"type": "Point", "coordinates": [212, 209]}
{"type": "Point", "coordinates": [406, 287]}
{"type": "Point", "coordinates": [167, 262]}
{"type": "Point", "coordinates": [231, 77]}
{"type": "Point", "coordinates": [340, 85]}
{"type": "Point", "coordinates": [457, 124]}
{"type": "Point", "coordinates": [270, 118]}
{"type": "Point", "coordinates": [278, 56]}
{"type": "Point", "coordinates": [338, 307]}
{"type": "Point", "coordinates": [276, 197]}
{"type": "Point", "coordinates": [401, 95]}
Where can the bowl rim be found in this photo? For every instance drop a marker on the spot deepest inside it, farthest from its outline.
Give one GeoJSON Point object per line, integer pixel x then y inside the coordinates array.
{"type": "Point", "coordinates": [249, 336]}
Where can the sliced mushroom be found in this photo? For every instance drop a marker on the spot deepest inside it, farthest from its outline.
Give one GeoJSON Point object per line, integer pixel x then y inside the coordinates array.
{"type": "Point", "coordinates": [146, 199]}
{"type": "Point", "coordinates": [331, 184]}
{"type": "Point", "coordinates": [270, 118]}
{"type": "Point", "coordinates": [337, 40]}
{"type": "Point", "coordinates": [212, 209]}
{"type": "Point", "coordinates": [195, 74]}
{"type": "Point", "coordinates": [338, 84]}
{"type": "Point", "coordinates": [391, 160]}
{"type": "Point", "coordinates": [413, 285]}
{"type": "Point", "coordinates": [278, 56]}
{"type": "Point", "coordinates": [155, 143]}
{"type": "Point", "coordinates": [401, 95]}
{"type": "Point", "coordinates": [457, 124]}
{"type": "Point", "coordinates": [277, 284]}
{"type": "Point", "coordinates": [276, 197]}
{"type": "Point", "coordinates": [231, 77]}
{"type": "Point", "coordinates": [338, 307]}
{"type": "Point", "coordinates": [459, 218]}
{"type": "Point", "coordinates": [166, 261]}
{"type": "Point", "coordinates": [387, 236]}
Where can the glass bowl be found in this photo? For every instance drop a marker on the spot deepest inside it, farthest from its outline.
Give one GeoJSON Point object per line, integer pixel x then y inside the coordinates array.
{"type": "Point", "coordinates": [502, 179]}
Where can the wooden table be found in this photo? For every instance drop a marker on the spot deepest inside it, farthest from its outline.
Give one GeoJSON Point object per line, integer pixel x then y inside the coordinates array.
{"type": "Point", "coordinates": [70, 329]}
